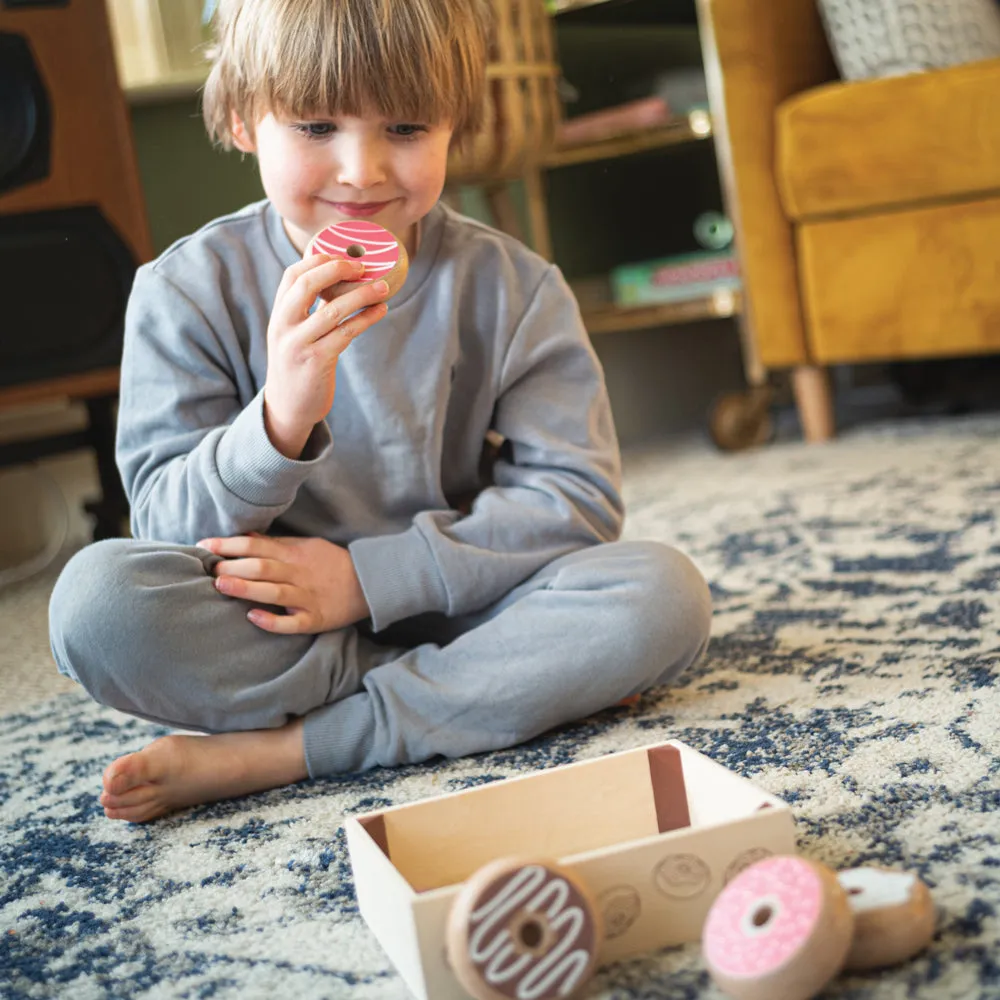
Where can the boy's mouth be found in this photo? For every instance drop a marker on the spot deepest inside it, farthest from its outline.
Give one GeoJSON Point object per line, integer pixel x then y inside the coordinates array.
{"type": "Point", "coordinates": [359, 209]}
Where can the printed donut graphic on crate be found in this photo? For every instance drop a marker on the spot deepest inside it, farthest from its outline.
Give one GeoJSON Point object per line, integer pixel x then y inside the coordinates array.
{"type": "Point", "coordinates": [523, 930]}
{"type": "Point", "coordinates": [682, 876]}
{"type": "Point", "coordinates": [621, 907]}
{"type": "Point", "coordinates": [743, 861]}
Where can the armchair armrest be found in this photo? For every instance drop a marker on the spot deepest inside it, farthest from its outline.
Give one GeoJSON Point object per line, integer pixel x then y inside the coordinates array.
{"type": "Point", "coordinates": [758, 53]}
{"type": "Point", "coordinates": [903, 140]}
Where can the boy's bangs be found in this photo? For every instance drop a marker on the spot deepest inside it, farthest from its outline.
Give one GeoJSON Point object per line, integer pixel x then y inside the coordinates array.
{"type": "Point", "coordinates": [387, 58]}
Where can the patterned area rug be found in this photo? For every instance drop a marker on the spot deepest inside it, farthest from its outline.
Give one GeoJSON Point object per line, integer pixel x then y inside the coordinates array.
{"type": "Point", "coordinates": [853, 671]}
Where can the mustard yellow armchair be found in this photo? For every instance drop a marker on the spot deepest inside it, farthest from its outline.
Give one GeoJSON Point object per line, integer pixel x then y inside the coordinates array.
{"type": "Point", "coordinates": [867, 212]}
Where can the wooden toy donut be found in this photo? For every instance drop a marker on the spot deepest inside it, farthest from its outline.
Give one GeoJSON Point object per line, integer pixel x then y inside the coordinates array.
{"type": "Point", "coordinates": [383, 255]}
{"type": "Point", "coordinates": [780, 929]}
{"type": "Point", "coordinates": [523, 929]}
{"type": "Point", "coordinates": [894, 916]}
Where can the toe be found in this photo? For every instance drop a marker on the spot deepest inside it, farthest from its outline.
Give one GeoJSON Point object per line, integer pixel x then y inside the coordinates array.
{"type": "Point", "coordinates": [137, 796]}
{"type": "Point", "coordinates": [136, 814]}
{"type": "Point", "coordinates": [128, 772]}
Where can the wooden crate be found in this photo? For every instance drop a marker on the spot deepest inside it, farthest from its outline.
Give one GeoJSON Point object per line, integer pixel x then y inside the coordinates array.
{"type": "Point", "coordinates": [523, 105]}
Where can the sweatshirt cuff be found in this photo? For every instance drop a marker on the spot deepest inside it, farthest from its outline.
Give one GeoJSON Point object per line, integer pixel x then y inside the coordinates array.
{"type": "Point", "coordinates": [254, 470]}
{"type": "Point", "coordinates": [399, 576]}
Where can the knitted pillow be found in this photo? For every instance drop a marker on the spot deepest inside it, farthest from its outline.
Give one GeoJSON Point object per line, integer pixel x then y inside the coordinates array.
{"type": "Point", "coordinates": [891, 37]}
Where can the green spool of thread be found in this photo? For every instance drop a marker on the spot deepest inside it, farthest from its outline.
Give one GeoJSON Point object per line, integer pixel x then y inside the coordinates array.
{"type": "Point", "coordinates": [713, 231]}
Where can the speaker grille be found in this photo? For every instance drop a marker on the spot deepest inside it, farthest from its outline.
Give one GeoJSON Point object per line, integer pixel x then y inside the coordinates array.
{"type": "Point", "coordinates": [66, 279]}
{"type": "Point", "coordinates": [25, 118]}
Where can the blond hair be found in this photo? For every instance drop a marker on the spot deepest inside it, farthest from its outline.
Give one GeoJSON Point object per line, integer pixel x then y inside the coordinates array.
{"type": "Point", "coordinates": [420, 61]}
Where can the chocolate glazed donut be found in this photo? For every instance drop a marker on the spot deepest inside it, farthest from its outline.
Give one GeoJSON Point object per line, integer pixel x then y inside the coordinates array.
{"type": "Point", "coordinates": [523, 930]}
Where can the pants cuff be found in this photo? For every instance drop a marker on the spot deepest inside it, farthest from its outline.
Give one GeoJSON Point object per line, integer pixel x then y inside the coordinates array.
{"type": "Point", "coordinates": [339, 738]}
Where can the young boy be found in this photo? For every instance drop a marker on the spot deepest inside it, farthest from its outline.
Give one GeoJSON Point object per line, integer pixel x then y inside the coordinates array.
{"type": "Point", "coordinates": [301, 583]}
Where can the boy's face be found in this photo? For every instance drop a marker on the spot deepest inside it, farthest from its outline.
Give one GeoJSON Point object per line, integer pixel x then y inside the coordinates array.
{"type": "Point", "coordinates": [318, 171]}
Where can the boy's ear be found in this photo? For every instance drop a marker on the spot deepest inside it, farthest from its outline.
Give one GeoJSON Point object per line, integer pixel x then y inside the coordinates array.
{"type": "Point", "coordinates": [242, 137]}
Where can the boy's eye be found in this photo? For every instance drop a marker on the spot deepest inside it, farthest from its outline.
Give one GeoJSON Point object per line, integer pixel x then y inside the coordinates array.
{"type": "Point", "coordinates": [315, 130]}
{"type": "Point", "coordinates": [407, 131]}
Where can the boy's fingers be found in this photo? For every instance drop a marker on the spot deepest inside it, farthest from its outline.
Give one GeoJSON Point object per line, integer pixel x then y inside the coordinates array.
{"type": "Point", "coordinates": [298, 268]}
{"type": "Point", "coordinates": [340, 338]}
{"type": "Point", "coordinates": [281, 594]}
{"type": "Point", "coordinates": [241, 545]}
{"type": "Point", "coordinates": [331, 316]}
{"type": "Point", "coordinates": [294, 624]}
{"type": "Point", "coordinates": [266, 570]}
{"type": "Point", "coordinates": [305, 289]}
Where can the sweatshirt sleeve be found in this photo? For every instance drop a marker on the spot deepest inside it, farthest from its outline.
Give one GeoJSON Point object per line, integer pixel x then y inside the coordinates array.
{"type": "Point", "coordinates": [556, 491]}
{"type": "Point", "coordinates": [194, 461]}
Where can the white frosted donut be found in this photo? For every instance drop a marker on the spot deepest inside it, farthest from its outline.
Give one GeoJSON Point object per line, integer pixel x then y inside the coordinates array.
{"type": "Point", "coordinates": [780, 929]}
{"type": "Point", "coordinates": [383, 255]}
{"type": "Point", "coordinates": [523, 930]}
{"type": "Point", "coordinates": [894, 916]}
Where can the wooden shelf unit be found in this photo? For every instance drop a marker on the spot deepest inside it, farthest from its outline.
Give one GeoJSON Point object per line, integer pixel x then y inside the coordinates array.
{"type": "Point", "coordinates": [601, 315]}
{"type": "Point", "coordinates": [693, 128]}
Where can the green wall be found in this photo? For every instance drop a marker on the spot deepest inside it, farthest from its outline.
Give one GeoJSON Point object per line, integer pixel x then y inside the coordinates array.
{"type": "Point", "coordinates": [186, 181]}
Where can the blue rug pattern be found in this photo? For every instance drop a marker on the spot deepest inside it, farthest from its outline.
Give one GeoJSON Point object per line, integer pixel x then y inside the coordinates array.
{"type": "Point", "coordinates": [853, 671]}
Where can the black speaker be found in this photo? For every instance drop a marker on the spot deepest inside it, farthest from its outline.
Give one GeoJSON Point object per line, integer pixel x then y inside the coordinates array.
{"type": "Point", "coordinates": [72, 228]}
{"type": "Point", "coordinates": [72, 219]}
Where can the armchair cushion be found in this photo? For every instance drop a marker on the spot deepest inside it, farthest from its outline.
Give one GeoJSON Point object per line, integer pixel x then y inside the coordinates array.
{"type": "Point", "coordinates": [849, 148]}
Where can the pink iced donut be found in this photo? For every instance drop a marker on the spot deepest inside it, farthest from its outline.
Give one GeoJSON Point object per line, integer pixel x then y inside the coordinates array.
{"type": "Point", "coordinates": [383, 255]}
{"type": "Point", "coordinates": [781, 928]}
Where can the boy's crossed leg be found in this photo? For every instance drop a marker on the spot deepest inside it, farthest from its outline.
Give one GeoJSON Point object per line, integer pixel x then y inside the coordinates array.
{"type": "Point", "coordinates": [641, 614]}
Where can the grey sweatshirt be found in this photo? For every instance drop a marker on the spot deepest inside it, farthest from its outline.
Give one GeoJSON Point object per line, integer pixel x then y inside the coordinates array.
{"type": "Point", "coordinates": [484, 335]}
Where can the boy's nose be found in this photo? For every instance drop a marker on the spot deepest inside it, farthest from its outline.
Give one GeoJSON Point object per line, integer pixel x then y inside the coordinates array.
{"type": "Point", "coordinates": [360, 165]}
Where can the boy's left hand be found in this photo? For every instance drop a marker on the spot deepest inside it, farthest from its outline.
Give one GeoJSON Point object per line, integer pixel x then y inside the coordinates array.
{"type": "Point", "coordinates": [313, 579]}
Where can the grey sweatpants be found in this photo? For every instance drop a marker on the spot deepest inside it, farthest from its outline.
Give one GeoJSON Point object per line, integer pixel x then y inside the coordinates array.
{"type": "Point", "coordinates": [142, 628]}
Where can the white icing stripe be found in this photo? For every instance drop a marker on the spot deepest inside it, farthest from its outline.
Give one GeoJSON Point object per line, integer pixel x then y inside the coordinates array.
{"type": "Point", "coordinates": [495, 972]}
{"type": "Point", "coordinates": [876, 890]}
{"type": "Point", "coordinates": [373, 249]}
{"type": "Point", "coordinates": [382, 247]}
{"type": "Point", "coordinates": [559, 965]}
{"type": "Point", "coordinates": [501, 906]}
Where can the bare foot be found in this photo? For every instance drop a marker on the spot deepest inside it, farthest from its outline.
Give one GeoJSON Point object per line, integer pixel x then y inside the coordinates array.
{"type": "Point", "coordinates": [177, 771]}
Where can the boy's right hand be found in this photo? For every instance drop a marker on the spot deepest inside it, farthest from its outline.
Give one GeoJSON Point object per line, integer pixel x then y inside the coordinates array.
{"type": "Point", "coordinates": [303, 349]}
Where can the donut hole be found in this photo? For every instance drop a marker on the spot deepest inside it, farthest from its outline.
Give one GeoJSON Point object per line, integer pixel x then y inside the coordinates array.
{"type": "Point", "coordinates": [355, 250]}
{"type": "Point", "coordinates": [855, 890]}
{"type": "Point", "coordinates": [531, 934]}
{"type": "Point", "coordinates": [762, 916]}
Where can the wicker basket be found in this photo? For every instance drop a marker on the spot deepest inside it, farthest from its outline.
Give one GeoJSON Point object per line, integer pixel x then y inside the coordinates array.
{"type": "Point", "coordinates": [523, 107]}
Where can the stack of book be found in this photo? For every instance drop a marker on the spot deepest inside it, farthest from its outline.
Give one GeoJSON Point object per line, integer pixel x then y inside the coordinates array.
{"type": "Point", "coordinates": [675, 279]}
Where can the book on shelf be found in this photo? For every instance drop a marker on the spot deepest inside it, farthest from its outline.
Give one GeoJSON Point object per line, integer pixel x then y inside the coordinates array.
{"type": "Point", "coordinates": [675, 279]}
{"type": "Point", "coordinates": [610, 123]}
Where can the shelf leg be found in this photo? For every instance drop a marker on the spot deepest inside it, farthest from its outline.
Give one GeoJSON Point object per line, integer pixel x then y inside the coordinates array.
{"type": "Point", "coordinates": [538, 212]}
{"type": "Point", "coordinates": [503, 209]}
